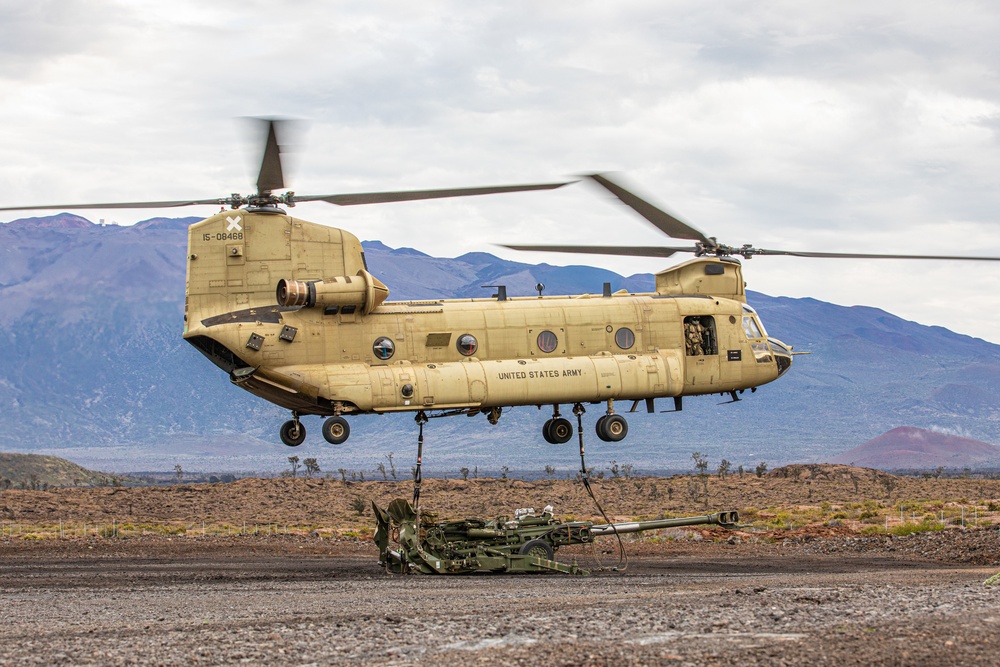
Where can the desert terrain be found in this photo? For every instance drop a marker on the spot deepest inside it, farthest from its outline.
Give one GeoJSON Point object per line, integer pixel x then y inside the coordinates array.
{"type": "Point", "coordinates": [283, 571]}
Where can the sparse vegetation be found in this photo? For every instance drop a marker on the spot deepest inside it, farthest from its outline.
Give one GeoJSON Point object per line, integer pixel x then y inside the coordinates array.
{"type": "Point", "coordinates": [778, 501]}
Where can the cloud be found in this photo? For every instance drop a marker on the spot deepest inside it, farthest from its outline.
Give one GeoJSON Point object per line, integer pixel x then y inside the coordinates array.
{"type": "Point", "coordinates": [856, 126]}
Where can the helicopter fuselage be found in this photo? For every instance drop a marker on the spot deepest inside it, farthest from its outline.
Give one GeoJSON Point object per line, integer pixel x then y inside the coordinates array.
{"type": "Point", "coordinates": [326, 342]}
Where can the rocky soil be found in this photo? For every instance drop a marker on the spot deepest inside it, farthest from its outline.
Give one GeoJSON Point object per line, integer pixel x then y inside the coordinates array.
{"type": "Point", "coordinates": [282, 600]}
{"type": "Point", "coordinates": [824, 593]}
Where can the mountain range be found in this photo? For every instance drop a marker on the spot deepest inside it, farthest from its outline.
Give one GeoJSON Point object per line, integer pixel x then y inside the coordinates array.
{"type": "Point", "coordinates": [95, 370]}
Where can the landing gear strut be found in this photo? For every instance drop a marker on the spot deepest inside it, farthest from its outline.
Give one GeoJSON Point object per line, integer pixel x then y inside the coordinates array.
{"type": "Point", "coordinates": [292, 432]}
{"type": "Point", "coordinates": [558, 430]}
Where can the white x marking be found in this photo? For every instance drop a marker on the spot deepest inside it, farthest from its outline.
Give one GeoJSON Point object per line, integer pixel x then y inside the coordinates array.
{"type": "Point", "coordinates": [234, 223]}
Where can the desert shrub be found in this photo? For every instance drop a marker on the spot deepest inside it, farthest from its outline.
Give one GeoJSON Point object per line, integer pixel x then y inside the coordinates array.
{"type": "Point", "coordinates": [911, 528]}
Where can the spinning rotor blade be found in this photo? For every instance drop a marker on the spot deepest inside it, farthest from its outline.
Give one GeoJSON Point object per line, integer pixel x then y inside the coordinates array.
{"type": "Point", "coordinates": [862, 255]}
{"type": "Point", "coordinates": [413, 195]}
{"type": "Point", "coordinates": [704, 245]}
{"type": "Point", "coordinates": [665, 222]}
{"type": "Point", "coordinates": [270, 177]}
{"type": "Point", "coordinates": [629, 251]}
{"type": "Point", "coordinates": [139, 204]}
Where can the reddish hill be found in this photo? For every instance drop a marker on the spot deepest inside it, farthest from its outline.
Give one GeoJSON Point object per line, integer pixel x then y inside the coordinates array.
{"type": "Point", "coordinates": [910, 447]}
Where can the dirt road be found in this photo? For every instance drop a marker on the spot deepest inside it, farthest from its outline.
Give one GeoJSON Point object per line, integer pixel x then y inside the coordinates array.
{"type": "Point", "coordinates": [302, 601]}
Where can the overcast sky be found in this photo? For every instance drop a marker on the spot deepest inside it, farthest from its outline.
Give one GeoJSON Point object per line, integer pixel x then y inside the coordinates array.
{"type": "Point", "coordinates": [848, 126]}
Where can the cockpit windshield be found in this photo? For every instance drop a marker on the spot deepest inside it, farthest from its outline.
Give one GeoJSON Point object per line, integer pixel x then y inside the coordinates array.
{"type": "Point", "coordinates": [751, 327]}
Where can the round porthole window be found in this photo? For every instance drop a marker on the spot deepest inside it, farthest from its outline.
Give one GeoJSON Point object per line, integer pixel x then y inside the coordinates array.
{"type": "Point", "coordinates": [383, 348]}
{"type": "Point", "coordinates": [467, 344]}
{"type": "Point", "coordinates": [547, 341]}
{"type": "Point", "coordinates": [625, 338]}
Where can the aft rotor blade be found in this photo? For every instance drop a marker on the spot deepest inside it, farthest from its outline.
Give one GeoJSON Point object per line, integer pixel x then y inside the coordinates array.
{"type": "Point", "coordinates": [137, 204]}
{"type": "Point", "coordinates": [629, 251]}
{"type": "Point", "coordinates": [665, 222]}
{"type": "Point", "coordinates": [863, 255]}
{"type": "Point", "coordinates": [270, 177]}
{"type": "Point", "coordinates": [413, 195]}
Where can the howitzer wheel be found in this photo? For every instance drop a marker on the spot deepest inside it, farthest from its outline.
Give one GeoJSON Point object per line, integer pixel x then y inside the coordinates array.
{"type": "Point", "coordinates": [292, 433]}
{"type": "Point", "coordinates": [538, 549]}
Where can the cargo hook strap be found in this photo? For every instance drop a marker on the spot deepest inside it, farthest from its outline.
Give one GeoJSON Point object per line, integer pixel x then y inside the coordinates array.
{"type": "Point", "coordinates": [578, 411]}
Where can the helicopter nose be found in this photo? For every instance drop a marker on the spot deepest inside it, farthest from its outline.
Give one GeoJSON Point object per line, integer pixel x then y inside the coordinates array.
{"type": "Point", "coordinates": [782, 355]}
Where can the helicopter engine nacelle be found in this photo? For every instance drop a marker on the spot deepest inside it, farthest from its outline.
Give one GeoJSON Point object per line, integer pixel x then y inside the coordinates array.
{"type": "Point", "coordinates": [363, 291]}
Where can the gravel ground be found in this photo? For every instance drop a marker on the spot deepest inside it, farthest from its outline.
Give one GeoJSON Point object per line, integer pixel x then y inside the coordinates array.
{"type": "Point", "coordinates": [843, 601]}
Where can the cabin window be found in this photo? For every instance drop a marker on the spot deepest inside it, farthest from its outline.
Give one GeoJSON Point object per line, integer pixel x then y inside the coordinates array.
{"type": "Point", "coordinates": [751, 327]}
{"type": "Point", "coordinates": [467, 345]}
{"type": "Point", "coordinates": [625, 338]}
{"type": "Point", "coordinates": [383, 348]}
{"type": "Point", "coordinates": [699, 335]}
{"type": "Point", "coordinates": [547, 341]}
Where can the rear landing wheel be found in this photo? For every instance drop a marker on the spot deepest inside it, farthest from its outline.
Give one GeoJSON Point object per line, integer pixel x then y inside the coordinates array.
{"type": "Point", "coordinates": [336, 430]}
{"type": "Point", "coordinates": [292, 433]}
{"type": "Point", "coordinates": [612, 428]}
{"type": "Point", "coordinates": [560, 431]}
{"type": "Point", "coordinates": [545, 432]}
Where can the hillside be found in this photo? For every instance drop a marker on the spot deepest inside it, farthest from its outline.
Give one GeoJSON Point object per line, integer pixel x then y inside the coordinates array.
{"type": "Point", "coordinates": [917, 448]}
{"type": "Point", "coordinates": [36, 472]}
{"type": "Point", "coordinates": [91, 316]}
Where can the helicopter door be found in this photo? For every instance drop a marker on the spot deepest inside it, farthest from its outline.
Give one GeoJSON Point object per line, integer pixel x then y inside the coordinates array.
{"type": "Point", "coordinates": [701, 352]}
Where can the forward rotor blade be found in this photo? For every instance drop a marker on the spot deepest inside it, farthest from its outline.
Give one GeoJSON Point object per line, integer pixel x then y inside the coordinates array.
{"type": "Point", "coordinates": [270, 177]}
{"type": "Point", "coordinates": [863, 255]}
{"type": "Point", "coordinates": [665, 222]}
{"type": "Point", "coordinates": [629, 251]}
{"type": "Point", "coordinates": [412, 195]}
{"type": "Point", "coordinates": [138, 204]}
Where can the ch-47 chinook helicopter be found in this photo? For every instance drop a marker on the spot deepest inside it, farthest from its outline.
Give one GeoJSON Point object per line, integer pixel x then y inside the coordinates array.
{"type": "Point", "coordinates": [288, 309]}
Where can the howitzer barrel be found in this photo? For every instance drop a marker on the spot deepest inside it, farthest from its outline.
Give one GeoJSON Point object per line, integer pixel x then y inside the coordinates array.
{"type": "Point", "coordinates": [726, 519]}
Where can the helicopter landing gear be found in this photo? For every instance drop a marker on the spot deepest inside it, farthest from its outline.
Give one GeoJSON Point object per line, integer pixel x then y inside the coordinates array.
{"type": "Point", "coordinates": [612, 427]}
{"type": "Point", "coordinates": [558, 430]}
{"type": "Point", "coordinates": [493, 415]}
{"type": "Point", "coordinates": [292, 432]}
{"type": "Point", "coordinates": [336, 430]}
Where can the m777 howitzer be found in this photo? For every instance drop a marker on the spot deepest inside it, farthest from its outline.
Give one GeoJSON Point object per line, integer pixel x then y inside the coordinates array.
{"type": "Point", "coordinates": [526, 543]}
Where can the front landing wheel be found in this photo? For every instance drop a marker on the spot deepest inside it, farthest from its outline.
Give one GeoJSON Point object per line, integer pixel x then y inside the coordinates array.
{"type": "Point", "coordinates": [292, 433]}
{"type": "Point", "coordinates": [336, 430]}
